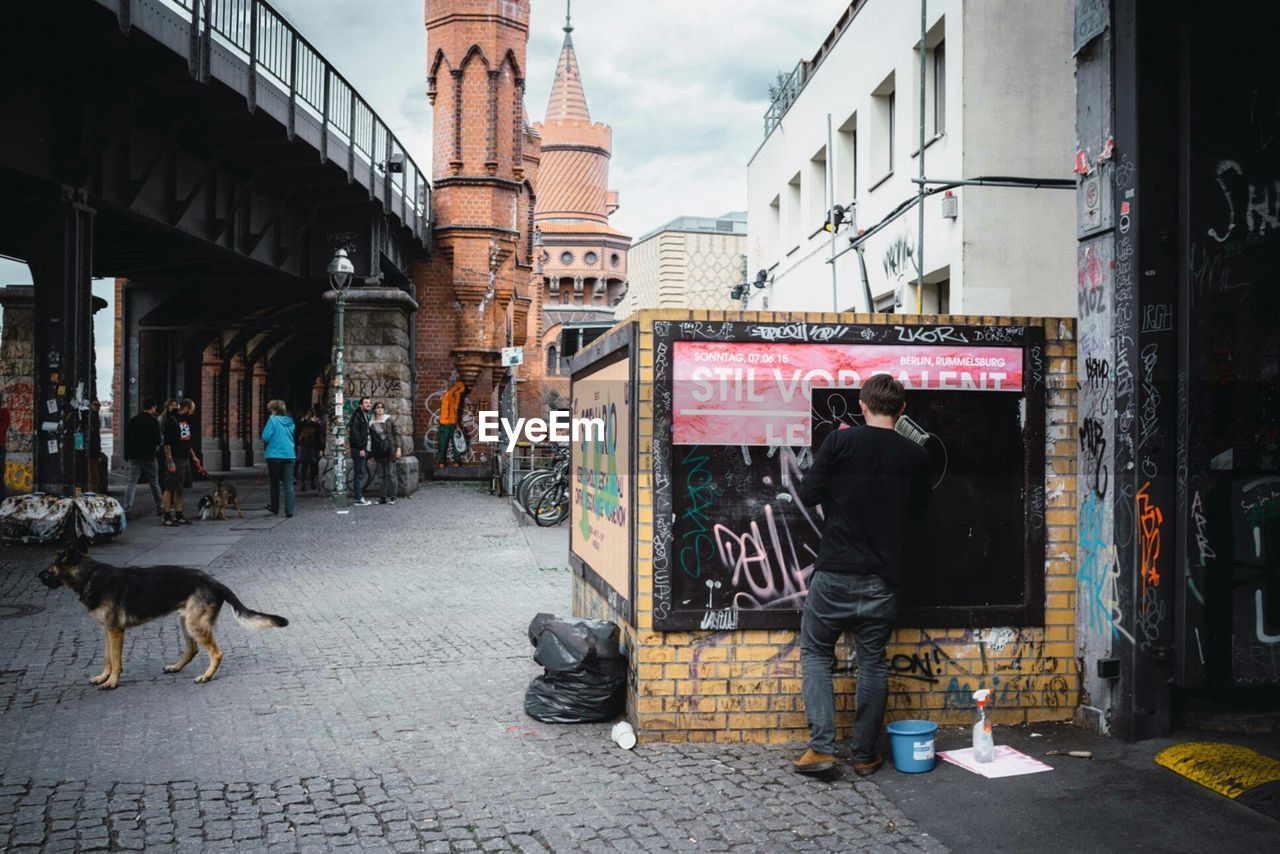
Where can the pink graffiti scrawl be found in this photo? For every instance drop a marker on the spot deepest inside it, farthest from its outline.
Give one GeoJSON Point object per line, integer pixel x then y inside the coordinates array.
{"type": "Point", "coordinates": [759, 393]}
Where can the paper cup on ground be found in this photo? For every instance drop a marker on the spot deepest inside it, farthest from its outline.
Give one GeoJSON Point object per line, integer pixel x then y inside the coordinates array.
{"type": "Point", "coordinates": [623, 735]}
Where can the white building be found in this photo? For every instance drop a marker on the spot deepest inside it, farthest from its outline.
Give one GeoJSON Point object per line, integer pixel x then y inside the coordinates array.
{"type": "Point", "coordinates": [1000, 101]}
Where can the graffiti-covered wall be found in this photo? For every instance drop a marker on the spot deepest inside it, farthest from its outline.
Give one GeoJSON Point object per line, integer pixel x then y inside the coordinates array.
{"type": "Point", "coordinates": [17, 371]}
{"type": "Point", "coordinates": [724, 552]}
{"type": "Point", "coordinates": [1099, 619]}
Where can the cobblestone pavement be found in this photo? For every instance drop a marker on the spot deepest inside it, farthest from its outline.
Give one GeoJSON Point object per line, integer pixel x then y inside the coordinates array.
{"type": "Point", "coordinates": [387, 716]}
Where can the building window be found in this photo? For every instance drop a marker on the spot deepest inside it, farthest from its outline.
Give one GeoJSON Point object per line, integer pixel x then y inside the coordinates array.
{"type": "Point", "coordinates": [935, 85]}
{"type": "Point", "coordinates": [773, 227]}
{"type": "Point", "coordinates": [940, 89]}
{"type": "Point", "coordinates": [591, 258]}
{"type": "Point", "coordinates": [893, 103]}
{"type": "Point", "coordinates": [614, 259]}
{"type": "Point", "coordinates": [553, 360]}
{"type": "Point", "coordinates": [846, 164]}
{"type": "Point", "coordinates": [566, 258]}
{"type": "Point", "coordinates": [884, 116]}
{"type": "Point", "coordinates": [791, 214]}
{"type": "Point", "coordinates": [816, 213]}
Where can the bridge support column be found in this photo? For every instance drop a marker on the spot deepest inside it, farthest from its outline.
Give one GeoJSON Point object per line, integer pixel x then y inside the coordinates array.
{"type": "Point", "coordinates": [258, 410]}
{"type": "Point", "coordinates": [377, 357]}
{"type": "Point", "coordinates": [237, 456]}
{"type": "Point", "coordinates": [210, 384]}
{"type": "Point", "coordinates": [63, 346]}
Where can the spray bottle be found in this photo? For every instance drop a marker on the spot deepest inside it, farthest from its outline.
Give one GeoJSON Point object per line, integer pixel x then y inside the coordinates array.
{"type": "Point", "coordinates": [983, 744]}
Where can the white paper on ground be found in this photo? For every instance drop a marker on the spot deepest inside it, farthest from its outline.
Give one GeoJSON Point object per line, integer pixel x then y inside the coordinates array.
{"type": "Point", "coordinates": [1005, 762]}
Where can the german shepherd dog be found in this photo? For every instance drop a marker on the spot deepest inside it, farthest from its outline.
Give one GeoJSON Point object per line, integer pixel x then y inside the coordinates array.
{"type": "Point", "coordinates": [121, 597]}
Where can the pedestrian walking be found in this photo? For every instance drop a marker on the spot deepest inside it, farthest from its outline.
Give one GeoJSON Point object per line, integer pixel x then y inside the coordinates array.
{"type": "Point", "coordinates": [359, 440]}
{"type": "Point", "coordinates": [872, 483]}
{"type": "Point", "coordinates": [142, 439]}
{"type": "Point", "coordinates": [450, 409]}
{"type": "Point", "coordinates": [386, 450]}
{"type": "Point", "coordinates": [309, 441]}
{"type": "Point", "coordinates": [277, 434]}
{"type": "Point", "coordinates": [178, 433]}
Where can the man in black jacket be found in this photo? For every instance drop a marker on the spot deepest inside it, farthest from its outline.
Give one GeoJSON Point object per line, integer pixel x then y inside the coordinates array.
{"type": "Point", "coordinates": [359, 441]}
{"type": "Point", "coordinates": [141, 442]}
{"type": "Point", "coordinates": [872, 484]}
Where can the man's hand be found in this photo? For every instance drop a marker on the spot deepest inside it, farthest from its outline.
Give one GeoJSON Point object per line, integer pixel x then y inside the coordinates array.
{"type": "Point", "coordinates": [362, 452]}
{"type": "Point", "coordinates": [397, 453]}
{"type": "Point", "coordinates": [171, 467]}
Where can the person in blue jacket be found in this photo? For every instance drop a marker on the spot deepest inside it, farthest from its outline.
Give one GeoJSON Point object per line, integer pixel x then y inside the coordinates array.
{"type": "Point", "coordinates": [277, 433]}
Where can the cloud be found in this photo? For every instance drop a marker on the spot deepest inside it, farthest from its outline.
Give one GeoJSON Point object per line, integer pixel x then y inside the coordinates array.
{"type": "Point", "coordinates": [683, 83]}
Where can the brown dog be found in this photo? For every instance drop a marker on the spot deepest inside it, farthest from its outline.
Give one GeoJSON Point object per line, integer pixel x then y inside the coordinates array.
{"type": "Point", "coordinates": [120, 598]}
{"type": "Point", "coordinates": [224, 496]}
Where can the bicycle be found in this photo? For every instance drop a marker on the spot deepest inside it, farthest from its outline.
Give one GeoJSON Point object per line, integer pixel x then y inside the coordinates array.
{"type": "Point", "coordinates": [532, 484]}
{"type": "Point", "coordinates": [549, 495]}
{"type": "Point", "coordinates": [551, 507]}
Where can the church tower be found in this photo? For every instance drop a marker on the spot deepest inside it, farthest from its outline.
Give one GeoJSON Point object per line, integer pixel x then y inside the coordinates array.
{"type": "Point", "coordinates": [476, 292]}
{"type": "Point", "coordinates": [583, 260]}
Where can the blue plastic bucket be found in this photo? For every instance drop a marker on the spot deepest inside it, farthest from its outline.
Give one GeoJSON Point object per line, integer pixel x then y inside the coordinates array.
{"type": "Point", "coordinates": [912, 743]}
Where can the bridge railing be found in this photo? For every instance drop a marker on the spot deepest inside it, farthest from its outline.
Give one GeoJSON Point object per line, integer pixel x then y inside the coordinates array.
{"type": "Point", "coordinates": [277, 53]}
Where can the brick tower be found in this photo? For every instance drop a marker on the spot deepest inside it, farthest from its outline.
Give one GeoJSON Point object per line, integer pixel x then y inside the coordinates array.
{"type": "Point", "coordinates": [582, 258]}
{"type": "Point", "coordinates": [475, 292]}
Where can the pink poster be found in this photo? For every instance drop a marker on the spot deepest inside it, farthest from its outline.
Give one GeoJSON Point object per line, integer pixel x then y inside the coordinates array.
{"type": "Point", "coordinates": [758, 393]}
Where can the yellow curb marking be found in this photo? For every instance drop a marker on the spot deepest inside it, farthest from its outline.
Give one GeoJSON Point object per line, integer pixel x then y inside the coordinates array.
{"type": "Point", "coordinates": [1226, 768]}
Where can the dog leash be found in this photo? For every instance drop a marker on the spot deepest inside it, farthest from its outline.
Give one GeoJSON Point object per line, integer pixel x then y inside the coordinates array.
{"type": "Point", "coordinates": [256, 483]}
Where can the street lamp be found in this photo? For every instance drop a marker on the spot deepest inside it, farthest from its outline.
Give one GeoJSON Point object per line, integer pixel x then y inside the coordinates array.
{"type": "Point", "coordinates": [340, 272]}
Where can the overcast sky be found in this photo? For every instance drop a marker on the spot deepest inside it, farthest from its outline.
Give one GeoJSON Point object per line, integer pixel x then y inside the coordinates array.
{"type": "Point", "coordinates": [684, 83]}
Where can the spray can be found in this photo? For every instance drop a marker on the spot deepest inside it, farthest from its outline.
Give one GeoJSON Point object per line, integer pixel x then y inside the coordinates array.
{"type": "Point", "coordinates": [983, 744]}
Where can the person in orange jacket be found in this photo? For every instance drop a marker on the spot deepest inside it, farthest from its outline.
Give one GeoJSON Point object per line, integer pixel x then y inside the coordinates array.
{"type": "Point", "coordinates": [450, 410]}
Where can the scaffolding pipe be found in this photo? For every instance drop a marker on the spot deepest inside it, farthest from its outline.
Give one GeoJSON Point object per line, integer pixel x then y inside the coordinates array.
{"type": "Point", "coordinates": [831, 213]}
{"type": "Point", "coordinates": [920, 193]}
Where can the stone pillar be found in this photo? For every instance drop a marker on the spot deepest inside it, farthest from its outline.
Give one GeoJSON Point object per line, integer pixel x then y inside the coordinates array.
{"type": "Point", "coordinates": [258, 411]}
{"type": "Point", "coordinates": [17, 374]}
{"type": "Point", "coordinates": [237, 454]}
{"type": "Point", "coordinates": [377, 359]}
{"type": "Point", "coordinates": [210, 405]}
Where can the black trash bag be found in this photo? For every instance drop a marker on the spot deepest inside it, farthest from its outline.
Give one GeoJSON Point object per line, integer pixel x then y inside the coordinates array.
{"type": "Point", "coordinates": [585, 677]}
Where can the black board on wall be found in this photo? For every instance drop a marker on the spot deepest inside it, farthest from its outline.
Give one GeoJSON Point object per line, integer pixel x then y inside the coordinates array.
{"type": "Point", "coordinates": [739, 548]}
{"type": "Point", "coordinates": [969, 546]}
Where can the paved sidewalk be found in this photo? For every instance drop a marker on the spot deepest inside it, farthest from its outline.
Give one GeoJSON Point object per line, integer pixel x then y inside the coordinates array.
{"type": "Point", "coordinates": [147, 542]}
{"type": "Point", "coordinates": [387, 716]}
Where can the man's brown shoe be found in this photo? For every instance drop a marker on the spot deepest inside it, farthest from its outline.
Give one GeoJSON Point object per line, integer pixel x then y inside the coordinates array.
{"type": "Point", "coordinates": [866, 769]}
{"type": "Point", "coordinates": [813, 762]}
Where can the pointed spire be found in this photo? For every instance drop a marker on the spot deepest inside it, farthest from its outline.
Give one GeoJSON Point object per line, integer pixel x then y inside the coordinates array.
{"type": "Point", "coordinates": [568, 100]}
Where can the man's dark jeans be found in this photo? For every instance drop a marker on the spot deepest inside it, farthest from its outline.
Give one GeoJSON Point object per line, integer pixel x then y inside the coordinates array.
{"type": "Point", "coordinates": [866, 606]}
{"type": "Point", "coordinates": [361, 466]}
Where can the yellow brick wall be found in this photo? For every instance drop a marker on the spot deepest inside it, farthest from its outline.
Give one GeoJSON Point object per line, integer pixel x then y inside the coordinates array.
{"type": "Point", "coordinates": [745, 685]}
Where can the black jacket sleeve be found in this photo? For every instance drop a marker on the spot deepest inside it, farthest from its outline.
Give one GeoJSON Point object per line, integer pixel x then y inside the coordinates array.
{"type": "Point", "coordinates": [813, 489]}
{"type": "Point", "coordinates": [358, 430]}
